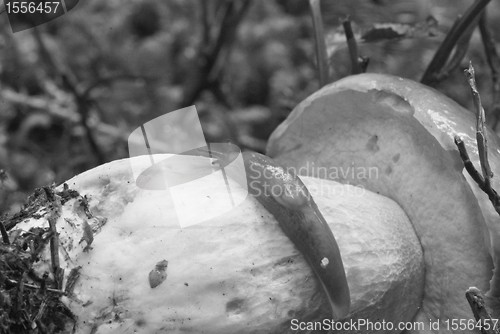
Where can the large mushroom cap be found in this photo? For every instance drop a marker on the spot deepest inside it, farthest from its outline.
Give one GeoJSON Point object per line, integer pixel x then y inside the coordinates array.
{"type": "Point", "coordinates": [395, 136]}
{"type": "Point", "coordinates": [237, 273]}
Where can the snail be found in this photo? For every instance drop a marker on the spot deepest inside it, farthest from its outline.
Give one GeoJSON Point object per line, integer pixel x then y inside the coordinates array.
{"type": "Point", "coordinates": [409, 252]}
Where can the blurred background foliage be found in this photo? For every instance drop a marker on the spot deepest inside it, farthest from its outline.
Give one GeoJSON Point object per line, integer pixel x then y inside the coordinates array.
{"type": "Point", "coordinates": [73, 89]}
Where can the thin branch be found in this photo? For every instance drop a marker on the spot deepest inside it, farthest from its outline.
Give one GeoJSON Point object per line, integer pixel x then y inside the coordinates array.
{"type": "Point", "coordinates": [55, 208]}
{"type": "Point", "coordinates": [482, 144]}
{"type": "Point", "coordinates": [43, 284]}
{"type": "Point", "coordinates": [20, 291]}
{"type": "Point", "coordinates": [319, 35]}
{"type": "Point", "coordinates": [353, 46]}
{"type": "Point", "coordinates": [32, 286]}
{"type": "Point", "coordinates": [69, 82]}
{"type": "Point", "coordinates": [111, 79]}
{"type": "Point", "coordinates": [226, 32]}
{"type": "Point", "coordinates": [54, 245]}
{"type": "Point", "coordinates": [363, 63]}
{"type": "Point", "coordinates": [483, 181]}
{"type": "Point", "coordinates": [494, 63]}
{"type": "Point", "coordinates": [451, 39]}
{"type": "Point", "coordinates": [5, 236]}
{"type": "Point", "coordinates": [478, 307]}
{"type": "Point", "coordinates": [469, 166]}
{"type": "Point", "coordinates": [228, 124]}
{"type": "Point", "coordinates": [57, 110]}
{"type": "Point", "coordinates": [206, 23]}
{"type": "Point", "coordinates": [215, 88]}
{"type": "Point", "coordinates": [225, 52]}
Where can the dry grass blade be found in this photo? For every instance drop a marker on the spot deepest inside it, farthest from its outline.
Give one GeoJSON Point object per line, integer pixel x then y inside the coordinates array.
{"type": "Point", "coordinates": [319, 34]}
{"type": "Point", "coordinates": [73, 276]}
{"type": "Point", "coordinates": [443, 53]}
{"type": "Point", "coordinates": [353, 47]}
{"type": "Point", "coordinates": [459, 54]}
{"type": "Point", "coordinates": [41, 312]}
{"type": "Point", "coordinates": [55, 207]}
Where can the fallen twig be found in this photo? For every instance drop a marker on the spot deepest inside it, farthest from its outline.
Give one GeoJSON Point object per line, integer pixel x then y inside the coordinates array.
{"type": "Point", "coordinates": [478, 307]}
